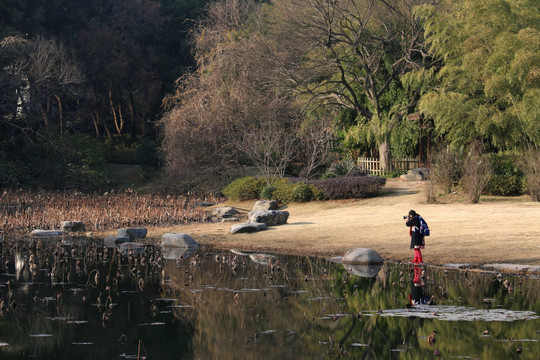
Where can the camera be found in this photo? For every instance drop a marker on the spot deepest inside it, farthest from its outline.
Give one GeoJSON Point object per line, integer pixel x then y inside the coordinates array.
{"type": "Point", "coordinates": [405, 216]}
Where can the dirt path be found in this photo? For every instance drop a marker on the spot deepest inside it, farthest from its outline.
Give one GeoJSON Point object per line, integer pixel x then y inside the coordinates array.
{"type": "Point", "coordinates": [495, 231]}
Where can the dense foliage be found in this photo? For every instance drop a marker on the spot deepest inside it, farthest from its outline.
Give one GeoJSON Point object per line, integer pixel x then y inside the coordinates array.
{"type": "Point", "coordinates": [83, 69]}
{"type": "Point", "coordinates": [291, 190]}
{"type": "Point", "coordinates": [286, 86]}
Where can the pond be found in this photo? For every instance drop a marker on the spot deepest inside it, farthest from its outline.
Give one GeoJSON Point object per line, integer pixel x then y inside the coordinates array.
{"type": "Point", "coordinates": [76, 299]}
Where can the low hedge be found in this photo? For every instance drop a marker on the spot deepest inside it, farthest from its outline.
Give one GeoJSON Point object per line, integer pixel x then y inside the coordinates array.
{"type": "Point", "coordinates": [350, 187]}
{"type": "Point", "coordinates": [289, 190]}
{"type": "Point", "coordinates": [245, 188]}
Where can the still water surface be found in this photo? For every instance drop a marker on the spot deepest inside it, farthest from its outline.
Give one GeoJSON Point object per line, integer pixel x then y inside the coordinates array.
{"type": "Point", "coordinates": [76, 299]}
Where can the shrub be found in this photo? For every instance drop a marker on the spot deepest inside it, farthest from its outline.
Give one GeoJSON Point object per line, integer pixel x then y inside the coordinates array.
{"type": "Point", "coordinates": [246, 188]}
{"type": "Point", "coordinates": [290, 190]}
{"type": "Point", "coordinates": [283, 190]}
{"type": "Point", "coordinates": [505, 185]}
{"type": "Point", "coordinates": [446, 169]}
{"type": "Point", "coordinates": [302, 193]}
{"type": "Point", "coordinates": [507, 179]}
{"type": "Point", "coordinates": [268, 192]}
{"type": "Point", "coordinates": [350, 187]}
{"type": "Point", "coordinates": [530, 164]}
{"type": "Point", "coordinates": [147, 153]}
{"type": "Point", "coordinates": [342, 168]}
{"type": "Point", "coordinates": [477, 171]}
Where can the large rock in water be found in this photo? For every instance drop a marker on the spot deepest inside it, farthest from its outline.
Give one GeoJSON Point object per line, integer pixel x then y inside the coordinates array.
{"type": "Point", "coordinates": [362, 262]}
{"type": "Point", "coordinates": [178, 246]}
{"type": "Point", "coordinates": [263, 205]}
{"type": "Point", "coordinates": [178, 240]}
{"type": "Point", "coordinates": [133, 233]}
{"type": "Point", "coordinates": [360, 256]}
{"type": "Point", "coordinates": [269, 217]}
{"type": "Point", "coordinates": [248, 227]}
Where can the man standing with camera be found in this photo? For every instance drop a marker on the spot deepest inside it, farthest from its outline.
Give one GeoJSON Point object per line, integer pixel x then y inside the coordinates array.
{"type": "Point", "coordinates": [417, 239]}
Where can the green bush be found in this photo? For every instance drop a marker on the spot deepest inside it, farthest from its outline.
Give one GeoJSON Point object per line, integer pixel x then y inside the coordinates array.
{"type": "Point", "coordinates": [505, 185]}
{"type": "Point", "coordinates": [507, 178]}
{"type": "Point", "coordinates": [121, 154]}
{"type": "Point", "coordinates": [147, 153]}
{"type": "Point", "coordinates": [246, 188]}
{"type": "Point", "coordinates": [288, 191]}
{"type": "Point", "coordinates": [54, 162]}
{"type": "Point", "coordinates": [268, 192]}
{"type": "Point", "coordinates": [302, 193]}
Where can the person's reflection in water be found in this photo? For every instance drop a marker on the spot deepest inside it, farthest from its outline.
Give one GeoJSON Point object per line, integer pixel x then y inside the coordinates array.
{"type": "Point", "coordinates": [417, 296]}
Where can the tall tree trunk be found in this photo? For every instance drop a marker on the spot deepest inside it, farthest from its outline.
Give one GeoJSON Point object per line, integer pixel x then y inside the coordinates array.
{"type": "Point", "coordinates": [43, 114]}
{"type": "Point", "coordinates": [95, 119]}
{"type": "Point", "coordinates": [109, 135]}
{"type": "Point", "coordinates": [60, 114]}
{"type": "Point", "coordinates": [385, 156]}
{"type": "Point", "coordinates": [117, 123]}
{"type": "Point", "coordinates": [131, 104]}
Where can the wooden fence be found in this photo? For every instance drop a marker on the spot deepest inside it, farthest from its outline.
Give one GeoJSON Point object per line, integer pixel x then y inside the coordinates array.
{"type": "Point", "coordinates": [372, 165]}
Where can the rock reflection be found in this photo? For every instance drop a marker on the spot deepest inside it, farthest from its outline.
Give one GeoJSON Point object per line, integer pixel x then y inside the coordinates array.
{"type": "Point", "coordinates": [364, 270]}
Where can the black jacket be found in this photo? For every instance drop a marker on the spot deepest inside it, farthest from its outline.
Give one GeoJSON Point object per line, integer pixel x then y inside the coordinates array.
{"type": "Point", "coordinates": [417, 239]}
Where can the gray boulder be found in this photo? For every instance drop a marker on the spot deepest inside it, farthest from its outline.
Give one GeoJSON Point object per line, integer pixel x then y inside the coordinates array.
{"type": "Point", "coordinates": [133, 248]}
{"type": "Point", "coordinates": [263, 205]}
{"type": "Point", "coordinates": [178, 246]}
{"type": "Point", "coordinates": [224, 212]}
{"type": "Point", "coordinates": [361, 256]}
{"type": "Point", "coordinates": [72, 226]}
{"type": "Point", "coordinates": [133, 233]}
{"type": "Point", "coordinates": [362, 262]}
{"type": "Point", "coordinates": [417, 174]}
{"type": "Point", "coordinates": [115, 241]}
{"type": "Point", "coordinates": [269, 217]}
{"type": "Point", "coordinates": [178, 240]}
{"type": "Point", "coordinates": [248, 227]}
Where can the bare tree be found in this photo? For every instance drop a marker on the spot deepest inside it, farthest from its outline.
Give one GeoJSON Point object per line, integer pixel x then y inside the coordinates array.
{"type": "Point", "coordinates": [316, 135]}
{"type": "Point", "coordinates": [357, 50]}
{"type": "Point", "coordinates": [230, 108]}
{"type": "Point", "coordinates": [531, 168]}
{"type": "Point", "coordinates": [446, 168]}
{"type": "Point", "coordinates": [40, 72]}
{"type": "Point", "coordinates": [477, 171]}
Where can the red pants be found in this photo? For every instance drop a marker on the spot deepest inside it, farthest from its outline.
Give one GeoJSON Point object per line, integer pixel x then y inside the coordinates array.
{"type": "Point", "coordinates": [417, 256]}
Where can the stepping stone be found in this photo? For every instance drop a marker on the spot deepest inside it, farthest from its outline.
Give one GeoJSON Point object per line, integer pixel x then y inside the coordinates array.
{"type": "Point", "coordinates": [248, 227]}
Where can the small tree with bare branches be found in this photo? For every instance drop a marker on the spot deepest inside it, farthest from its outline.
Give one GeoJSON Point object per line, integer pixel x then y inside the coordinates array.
{"type": "Point", "coordinates": [531, 168]}
{"type": "Point", "coordinates": [477, 170]}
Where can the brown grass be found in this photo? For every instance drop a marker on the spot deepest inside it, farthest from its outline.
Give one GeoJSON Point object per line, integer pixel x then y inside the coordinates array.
{"type": "Point", "coordinates": [497, 229]}
{"type": "Point", "coordinates": [22, 212]}
{"type": "Point", "coordinates": [505, 230]}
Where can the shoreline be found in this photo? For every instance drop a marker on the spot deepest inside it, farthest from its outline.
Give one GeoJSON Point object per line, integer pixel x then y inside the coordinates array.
{"type": "Point", "coordinates": [498, 233]}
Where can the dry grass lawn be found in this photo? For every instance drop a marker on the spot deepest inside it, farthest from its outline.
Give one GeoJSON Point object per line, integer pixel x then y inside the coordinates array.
{"type": "Point", "coordinates": [497, 230]}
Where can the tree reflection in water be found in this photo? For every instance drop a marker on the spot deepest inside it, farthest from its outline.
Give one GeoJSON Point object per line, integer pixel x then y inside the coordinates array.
{"type": "Point", "coordinates": [74, 298]}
